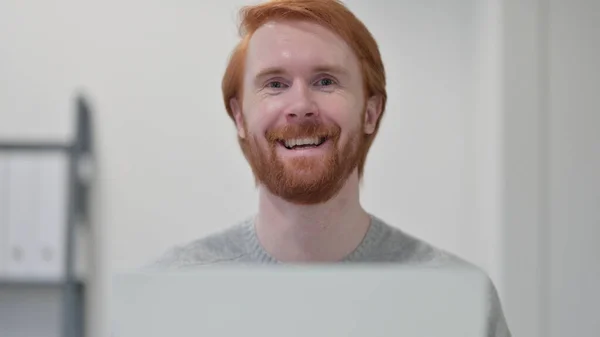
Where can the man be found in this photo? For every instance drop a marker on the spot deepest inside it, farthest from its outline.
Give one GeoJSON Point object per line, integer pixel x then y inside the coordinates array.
{"type": "Point", "coordinates": [305, 88]}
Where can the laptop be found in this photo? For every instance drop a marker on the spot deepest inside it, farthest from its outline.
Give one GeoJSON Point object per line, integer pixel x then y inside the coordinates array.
{"type": "Point", "coordinates": [300, 301]}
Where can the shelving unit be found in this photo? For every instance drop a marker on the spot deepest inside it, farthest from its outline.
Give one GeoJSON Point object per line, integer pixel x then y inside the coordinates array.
{"type": "Point", "coordinates": [65, 292]}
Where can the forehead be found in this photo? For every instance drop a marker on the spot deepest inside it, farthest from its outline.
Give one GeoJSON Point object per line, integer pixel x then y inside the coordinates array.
{"type": "Point", "coordinates": [297, 45]}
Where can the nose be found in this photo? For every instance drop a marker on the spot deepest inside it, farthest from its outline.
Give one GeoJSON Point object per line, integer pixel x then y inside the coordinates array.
{"type": "Point", "coordinates": [302, 106]}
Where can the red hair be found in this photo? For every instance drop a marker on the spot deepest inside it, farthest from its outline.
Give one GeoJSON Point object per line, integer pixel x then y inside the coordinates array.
{"type": "Point", "coordinates": [331, 14]}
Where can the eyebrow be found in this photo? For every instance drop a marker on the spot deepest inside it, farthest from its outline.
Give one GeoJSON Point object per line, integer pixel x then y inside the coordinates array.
{"type": "Point", "coordinates": [276, 71]}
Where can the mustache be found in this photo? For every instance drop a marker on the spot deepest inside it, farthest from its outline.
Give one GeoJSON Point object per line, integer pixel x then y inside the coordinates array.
{"type": "Point", "coordinates": [307, 129]}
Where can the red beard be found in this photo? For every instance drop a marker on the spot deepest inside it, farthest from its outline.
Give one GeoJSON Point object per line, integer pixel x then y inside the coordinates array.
{"type": "Point", "coordinates": [304, 180]}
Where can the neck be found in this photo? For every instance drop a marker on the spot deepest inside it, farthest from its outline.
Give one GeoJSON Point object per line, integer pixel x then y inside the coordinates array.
{"type": "Point", "coordinates": [324, 232]}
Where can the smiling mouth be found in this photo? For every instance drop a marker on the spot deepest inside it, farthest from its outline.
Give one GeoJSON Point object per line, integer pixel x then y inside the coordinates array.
{"type": "Point", "coordinates": [302, 143]}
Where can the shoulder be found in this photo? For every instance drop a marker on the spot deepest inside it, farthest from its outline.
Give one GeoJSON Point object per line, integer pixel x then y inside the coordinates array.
{"type": "Point", "coordinates": [396, 246]}
{"type": "Point", "coordinates": [228, 245]}
{"type": "Point", "coordinates": [393, 245]}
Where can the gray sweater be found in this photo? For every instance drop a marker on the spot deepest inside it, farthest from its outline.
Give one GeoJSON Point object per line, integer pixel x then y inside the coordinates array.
{"type": "Point", "coordinates": [382, 243]}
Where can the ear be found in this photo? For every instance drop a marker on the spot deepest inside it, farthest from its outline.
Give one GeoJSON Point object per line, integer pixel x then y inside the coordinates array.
{"type": "Point", "coordinates": [372, 114]}
{"type": "Point", "coordinates": [238, 117]}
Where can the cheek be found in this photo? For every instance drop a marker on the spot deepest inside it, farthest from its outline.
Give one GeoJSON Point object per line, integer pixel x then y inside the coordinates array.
{"type": "Point", "coordinates": [342, 112]}
{"type": "Point", "coordinates": [271, 108]}
{"type": "Point", "coordinates": [261, 115]}
{"type": "Point", "coordinates": [347, 114]}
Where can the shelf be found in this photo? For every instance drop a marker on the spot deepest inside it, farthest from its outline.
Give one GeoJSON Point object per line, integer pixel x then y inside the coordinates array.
{"type": "Point", "coordinates": [37, 282]}
{"type": "Point", "coordinates": [31, 146]}
{"type": "Point", "coordinates": [57, 298]}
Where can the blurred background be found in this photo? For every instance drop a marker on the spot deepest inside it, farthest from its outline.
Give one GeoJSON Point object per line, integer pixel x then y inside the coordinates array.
{"type": "Point", "coordinates": [489, 147]}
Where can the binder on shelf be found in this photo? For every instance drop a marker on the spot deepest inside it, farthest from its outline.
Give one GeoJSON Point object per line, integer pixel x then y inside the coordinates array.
{"type": "Point", "coordinates": [37, 216]}
{"type": "Point", "coordinates": [52, 216]}
{"type": "Point", "coordinates": [23, 204]}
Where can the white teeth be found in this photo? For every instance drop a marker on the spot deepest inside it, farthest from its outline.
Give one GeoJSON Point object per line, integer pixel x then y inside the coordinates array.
{"type": "Point", "coordinates": [302, 141]}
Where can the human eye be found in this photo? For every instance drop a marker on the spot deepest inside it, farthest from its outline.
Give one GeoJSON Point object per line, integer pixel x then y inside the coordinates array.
{"type": "Point", "coordinates": [275, 84]}
{"type": "Point", "coordinates": [325, 82]}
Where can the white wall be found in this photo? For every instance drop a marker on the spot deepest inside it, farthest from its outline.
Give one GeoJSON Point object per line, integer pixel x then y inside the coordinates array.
{"type": "Point", "coordinates": [573, 169]}
{"type": "Point", "coordinates": [523, 75]}
{"type": "Point", "coordinates": [551, 167]}
{"type": "Point", "coordinates": [170, 170]}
